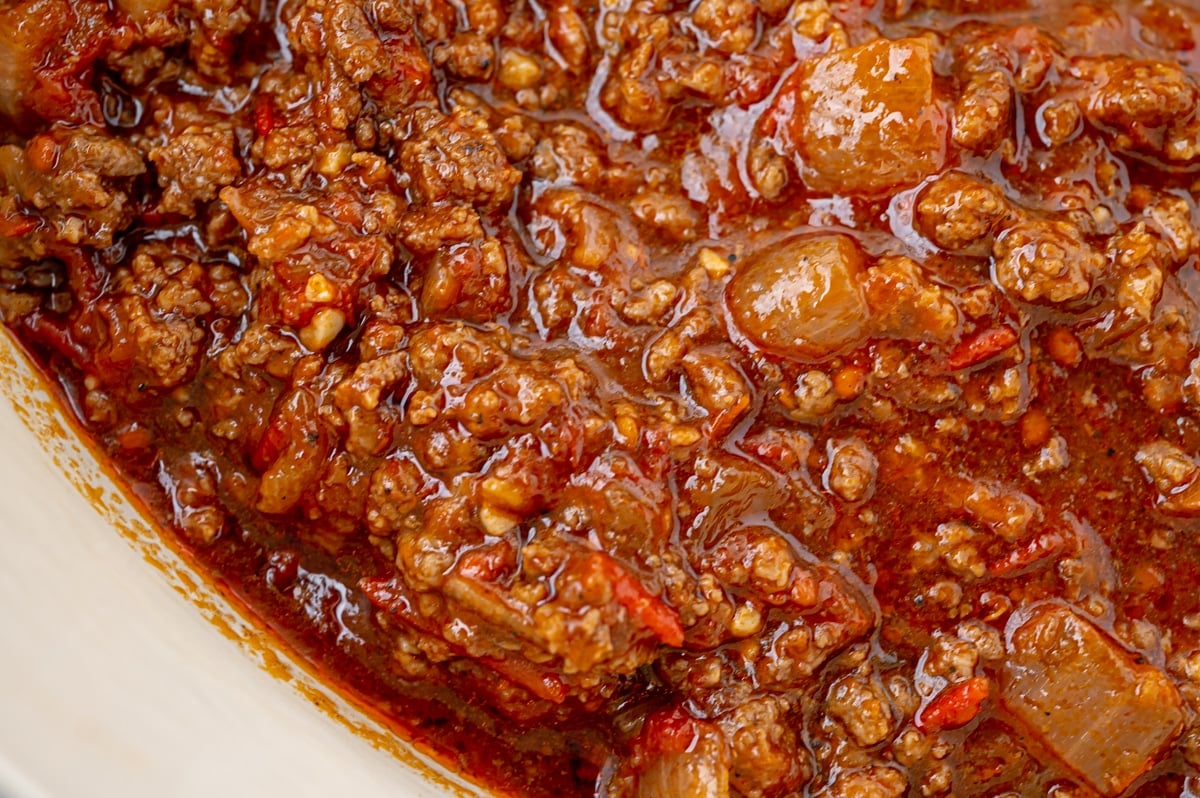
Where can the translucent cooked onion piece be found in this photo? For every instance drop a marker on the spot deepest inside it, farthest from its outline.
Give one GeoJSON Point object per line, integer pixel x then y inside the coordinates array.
{"type": "Point", "coordinates": [864, 120]}
{"type": "Point", "coordinates": [142, 10]}
{"type": "Point", "coordinates": [699, 773]}
{"type": "Point", "coordinates": [10, 79]}
{"type": "Point", "coordinates": [47, 48]}
{"type": "Point", "coordinates": [1104, 714]}
{"type": "Point", "coordinates": [801, 297]}
{"type": "Point", "coordinates": [19, 56]}
{"type": "Point", "coordinates": [686, 758]}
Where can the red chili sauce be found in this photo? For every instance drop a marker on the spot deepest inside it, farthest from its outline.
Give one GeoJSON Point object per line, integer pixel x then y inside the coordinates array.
{"type": "Point", "coordinates": [713, 399]}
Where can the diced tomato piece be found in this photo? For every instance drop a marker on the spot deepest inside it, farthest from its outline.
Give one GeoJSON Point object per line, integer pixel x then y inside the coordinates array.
{"type": "Point", "coordinates": [389, 596]}
{"type": "Point", "coordinates": [1040, 548]}
{"type": "Point", "coordinates": [13, 225]}
{"type": "Point", "coordinates": [648, 609]}
{"type": "Point", "coordinates": [487, 563]}
{"type": "Point", "coordinates": [542, 683]}
{"type": "Point", "coordinates": [271, 444]}
{"type": "Point", "coordinates": [977, 348]}
{"type": "Point", "coordinates": [670, 731]}
{"type": "Point", "coordinates": [135, 438]}
{"type": "Point", "coordinates": [408, 77]}
{"type": "Point", "coordinates": [82, 273]}
{"type": "Point", "coordinates": [54, 334]}
{"type": "Point", "coordinates": [264, 115]}
{"type": "Point", "coordinates": [956, 706]}
{"type": "Point", "coordinates": [725, 419]}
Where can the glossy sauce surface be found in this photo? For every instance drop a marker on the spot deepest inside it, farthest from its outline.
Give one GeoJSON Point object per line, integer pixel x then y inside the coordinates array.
{"type": "Point", "coordinates": [712, 399]}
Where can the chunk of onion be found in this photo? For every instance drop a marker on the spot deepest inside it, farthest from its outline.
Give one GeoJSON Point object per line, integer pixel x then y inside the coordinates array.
{"type": "Point", "coordinates": [1103, 714]}
{"type": "Point", "coordinates": [801, 297]}
{"type": "Point", "coordinates": [864, 120]}
{"type": "Point", "coordinates": [700, 772]}
{"type": "Point", "coordinates": [142, 10]}
{"type": "Point", "coordinates": [15, 65]}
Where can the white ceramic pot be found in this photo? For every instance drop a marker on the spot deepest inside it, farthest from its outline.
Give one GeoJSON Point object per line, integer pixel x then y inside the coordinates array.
{"type": "Point", "coordinates": [124, 673]}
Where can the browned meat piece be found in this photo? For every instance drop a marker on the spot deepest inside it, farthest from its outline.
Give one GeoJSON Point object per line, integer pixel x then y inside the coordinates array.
{"type": "Point", "coordinates": [194, 158]}
{"type": "Point", "coordinates": [960, 213]}
{"type": "Point", "coordinates": [729, 26]}
{"type": "Point", "coordinates": [353, 43]}
{"type": "Point", "coordinates": [983, 112]}
{"type": "Point", "coordinates": [468, 55]}
{"type": "Point", "coordinates": [766, 757]}
{"type": "Point", "coordinates": [152, 323]}
{"type": "Point", "coordinates": [216, 26]}
{"type": "Point", "coordinates": [906, 304]}
{"type": "Point", "coordinates": [1175, 476]}
{"type": "Point", "coordinates": [632, 92]}
{"type": "Point", "coordinates": [1147, 94]}
{"type": "Point", "coordinates": [78, 181]}
{"type": "Point", "coordinates": [456, 157]}
{"type": "Point", "coordinates": [1050, 261]}
{"type": "Point", "coordinates": [852, 469]}
{"type": "Point", "coordinates": [312, 262]}
{"type": "Point", "coordinates": [863, 708]}
{"type": "Point", "coordinates": [877, 781]}
{"type": "Point", "coordinates": [567, 31]}
{"type": "Point", "coordinates": [425, 229]}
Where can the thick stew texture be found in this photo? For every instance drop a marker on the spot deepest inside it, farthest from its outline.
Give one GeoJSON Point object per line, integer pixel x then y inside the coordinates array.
{"type": "Point", "coordinates": [654, 398]}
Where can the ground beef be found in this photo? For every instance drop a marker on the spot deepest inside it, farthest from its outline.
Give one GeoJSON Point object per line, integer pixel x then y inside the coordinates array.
{"type": "Point", "coordinates": [195, 159]}
{"type": "Point", "coordinates": [719, 399]}
{"type": "Point", "coordinates": [960, 213]}
{"type": "Point", "coordinates": [1036, 260]}
{"type": "Point", "coordinates": [77, 181]}
{"type": "Point", "coordinates": [445, 162]}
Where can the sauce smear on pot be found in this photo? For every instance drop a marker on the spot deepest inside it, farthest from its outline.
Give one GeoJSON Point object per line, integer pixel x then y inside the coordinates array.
{"type": "Point", "coordinates": [711, 399]}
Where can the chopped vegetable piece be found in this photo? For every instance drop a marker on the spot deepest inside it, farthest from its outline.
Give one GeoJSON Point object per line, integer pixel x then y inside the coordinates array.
{"type": "Point", "coordinates": [542, 683]}
{"type": "Point", "coordinates": [872, 104]}
{"type": "Point", "coordinates": [1105, 713]}
{"type": "Point", "coordinates": [956, 706]}
{"type": "Point", "coordinates": [13, 225]}
{"type": "Point", "coordinates": [688, 758]}
{"type": "Point", "coordinates": [801, 297]}
{"type": "Point", "coordinates": [980, 347]}
{"type": "Point", "coordinates": [646, 608]}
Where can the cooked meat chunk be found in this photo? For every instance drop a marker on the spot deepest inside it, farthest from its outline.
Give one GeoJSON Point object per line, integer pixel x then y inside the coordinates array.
{"type": "Point", "coordinates": [711, 399]}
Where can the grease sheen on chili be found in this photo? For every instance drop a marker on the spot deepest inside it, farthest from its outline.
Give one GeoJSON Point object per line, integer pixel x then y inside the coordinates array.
{"type": "Point", "coordinates": [711, 399]}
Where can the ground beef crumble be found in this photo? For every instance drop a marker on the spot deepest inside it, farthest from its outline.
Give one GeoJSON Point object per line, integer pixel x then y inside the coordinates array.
{"type": "Point", "coordinates": [718, 399]}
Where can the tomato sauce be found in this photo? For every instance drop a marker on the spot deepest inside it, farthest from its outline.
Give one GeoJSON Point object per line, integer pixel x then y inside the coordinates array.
{"type": "Point", "coordinates": [720, 399]}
